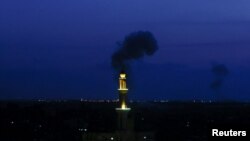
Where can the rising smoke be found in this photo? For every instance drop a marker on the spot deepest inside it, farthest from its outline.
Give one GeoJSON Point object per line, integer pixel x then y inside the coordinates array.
{"type": "Point", "coordinates": [134, 46]}
{"type": "Point", "coordinates": [220, 71]}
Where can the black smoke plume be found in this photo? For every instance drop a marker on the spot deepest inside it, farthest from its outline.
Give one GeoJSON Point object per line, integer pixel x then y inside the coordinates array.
{"type": "Point", "coordinates": [220, 71]}
{"type": "Point", "coordinates": [136, 45]}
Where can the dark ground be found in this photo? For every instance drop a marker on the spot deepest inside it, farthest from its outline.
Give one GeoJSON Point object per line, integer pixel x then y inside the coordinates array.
{"type": "Point", "coordinates": [68, 120]}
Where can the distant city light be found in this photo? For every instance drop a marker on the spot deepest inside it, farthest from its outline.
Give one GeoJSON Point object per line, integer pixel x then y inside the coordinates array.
{"type": "Point", "coordinates": [12, 122]}
{"type": "Point", "coordinates": [80, 129]}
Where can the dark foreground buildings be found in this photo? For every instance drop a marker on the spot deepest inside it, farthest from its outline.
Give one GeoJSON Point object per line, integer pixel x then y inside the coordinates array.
{"type": "Point", "coordinates": [73, 120]}
{"type": "Point", "coordinates": [60, 120]}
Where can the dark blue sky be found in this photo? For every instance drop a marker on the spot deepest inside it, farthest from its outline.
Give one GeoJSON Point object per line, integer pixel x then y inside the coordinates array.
{"type": "Point", "coordinates": [62, 49]}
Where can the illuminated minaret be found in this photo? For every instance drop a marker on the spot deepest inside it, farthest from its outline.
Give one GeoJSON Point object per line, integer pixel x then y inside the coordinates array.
{"type": "Point", "coordinates": [123, 90]}
{"type": "Point", "coordinates": [123, 108]}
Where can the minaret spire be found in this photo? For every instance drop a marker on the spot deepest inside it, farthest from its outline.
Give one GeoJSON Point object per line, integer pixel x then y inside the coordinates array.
{"type": "Point", "coordinates": [123, 109]}
{"type": "Point", "coordinates": [123, 90]}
